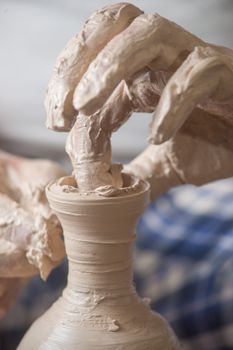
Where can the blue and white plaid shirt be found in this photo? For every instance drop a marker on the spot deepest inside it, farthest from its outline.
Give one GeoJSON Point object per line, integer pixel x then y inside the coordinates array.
{"type": "Point", "coordinates": [184, 263]}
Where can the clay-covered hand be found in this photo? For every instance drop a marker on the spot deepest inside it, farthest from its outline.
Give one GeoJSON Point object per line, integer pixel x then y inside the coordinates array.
{"type": "Point", "coordinates": [151, 65]}
{"type": "Point", "coordinates": [30, 235]}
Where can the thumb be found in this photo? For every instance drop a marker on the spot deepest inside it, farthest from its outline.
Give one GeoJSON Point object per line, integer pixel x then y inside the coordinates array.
{"type": "Point", "coordinates": [154, 166]}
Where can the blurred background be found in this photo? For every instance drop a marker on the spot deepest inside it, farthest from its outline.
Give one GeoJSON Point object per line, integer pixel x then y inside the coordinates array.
{"type": "Point", "coordinates": [32, 33]}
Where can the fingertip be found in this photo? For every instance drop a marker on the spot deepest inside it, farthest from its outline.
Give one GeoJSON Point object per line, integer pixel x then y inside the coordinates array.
{"type": "Point", "coordinates": [90, 100]}
{"type": "Point", "coordinates": [79, 98]}
{"type": "Point", "coordinates": [157, 135]}
{"type": "Point", "coordinates": [82, 101]}
{"type": "Point", "coordinates": [90, 95]}
{"type": "Point", "coordinates": [163, 124]}
{"type": "Point", "coordinates": [157, 138]}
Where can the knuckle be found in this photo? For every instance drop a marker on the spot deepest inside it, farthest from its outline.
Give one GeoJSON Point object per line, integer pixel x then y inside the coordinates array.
{"type": "Point", "coordinates": [154, 20]}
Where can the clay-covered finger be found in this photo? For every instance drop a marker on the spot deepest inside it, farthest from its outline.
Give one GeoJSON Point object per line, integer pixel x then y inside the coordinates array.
{"type": "Point", "coordinates": [117, 109]}
{"type": "Point", "coordinates": [89, 147]}
{"type": "Point", "coordinates": [145, 88]}
{"type": "Point", "coordinates": [73, 61]}
{"type": "Point", "coordinates": [155, 166]}
{"type": "Point", "coordinates": [205, 74]}
{"type": "Point", "coordinates": [149, 40]}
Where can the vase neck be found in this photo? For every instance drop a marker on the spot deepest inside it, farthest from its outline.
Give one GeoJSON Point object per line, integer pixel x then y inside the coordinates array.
{"type": "Point", "coordinates": [105, 264]}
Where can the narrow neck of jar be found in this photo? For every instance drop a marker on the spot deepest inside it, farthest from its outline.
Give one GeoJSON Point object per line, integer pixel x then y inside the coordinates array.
{"type": "Point", "coordinates": [105, 265]}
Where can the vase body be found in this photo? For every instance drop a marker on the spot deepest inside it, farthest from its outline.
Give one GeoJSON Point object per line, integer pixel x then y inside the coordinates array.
{"type": "Point", "coordinates": [99, 309]}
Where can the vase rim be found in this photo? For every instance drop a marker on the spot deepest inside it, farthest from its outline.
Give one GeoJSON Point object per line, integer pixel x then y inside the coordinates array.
{"type": "Point", "coordinates": [55, 192]}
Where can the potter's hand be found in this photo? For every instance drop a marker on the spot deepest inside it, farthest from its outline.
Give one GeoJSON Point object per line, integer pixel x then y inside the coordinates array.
{"type": "Point", "coordinates": [139, 55]}
{"type": "Point", "coordinates": [30, 235]}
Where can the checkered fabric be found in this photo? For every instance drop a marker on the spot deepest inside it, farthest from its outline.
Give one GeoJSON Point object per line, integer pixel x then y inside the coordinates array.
{"type": "Point", "coordinates": [183, 263]}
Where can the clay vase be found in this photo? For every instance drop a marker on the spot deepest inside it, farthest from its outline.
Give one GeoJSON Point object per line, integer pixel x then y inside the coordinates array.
{"type": "Point", "coordinates": [99, 309]}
